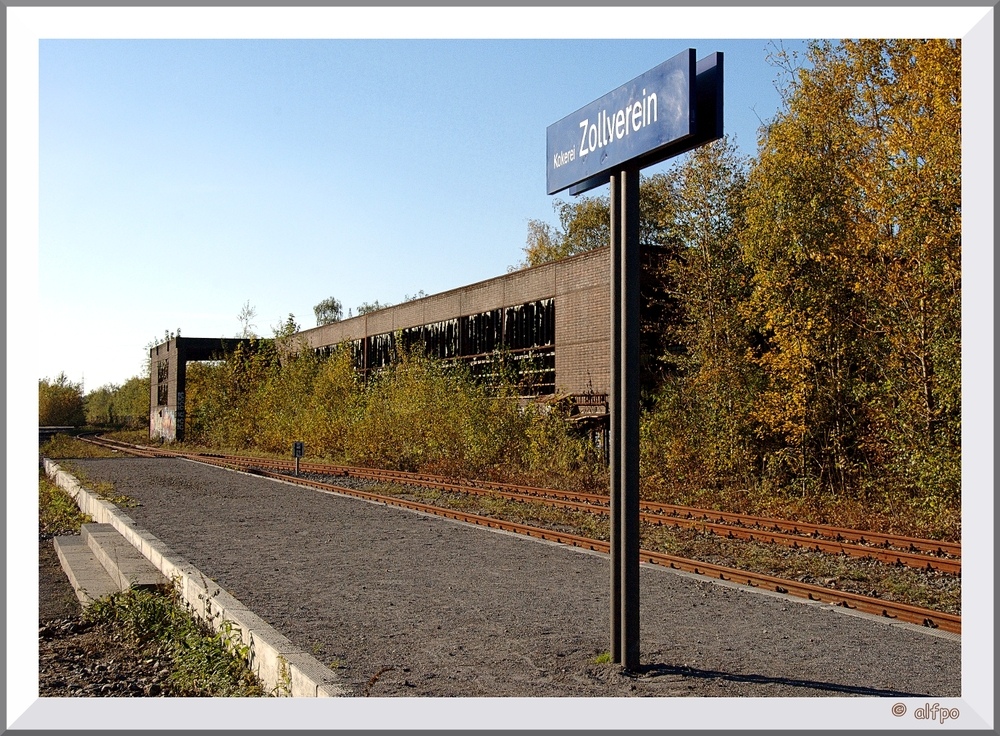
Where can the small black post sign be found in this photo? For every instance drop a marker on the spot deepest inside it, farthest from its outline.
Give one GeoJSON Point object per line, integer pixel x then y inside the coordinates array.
{"type": "Point", "coordinates": [298, 450]}
{"type": "Point", "coordinates": [670, 109]}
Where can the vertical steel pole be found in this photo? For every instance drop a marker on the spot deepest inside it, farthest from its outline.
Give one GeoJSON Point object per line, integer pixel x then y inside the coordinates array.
{"type": "Point", "coordinates": [614, 419]}
{"type": "Point", "coordinates": [629, 405]}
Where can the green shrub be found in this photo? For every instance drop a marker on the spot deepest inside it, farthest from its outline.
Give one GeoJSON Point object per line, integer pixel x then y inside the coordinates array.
{"type": "Point", "coordinates": [57, 511]}
{"type": "Point", "coordinates": [204, 662]}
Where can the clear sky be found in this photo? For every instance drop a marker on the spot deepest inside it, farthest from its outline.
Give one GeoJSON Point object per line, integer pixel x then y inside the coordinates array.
{"type": "Point", "coordinates": [159, 184]}
{"type": "Point", "coordinates": [181, 179]}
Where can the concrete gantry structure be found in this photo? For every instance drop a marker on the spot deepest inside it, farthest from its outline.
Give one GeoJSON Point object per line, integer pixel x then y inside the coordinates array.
{"type": "Point", "coordinates": [552, 321]}
{"type": "Point", "coordinates": [167, 378]}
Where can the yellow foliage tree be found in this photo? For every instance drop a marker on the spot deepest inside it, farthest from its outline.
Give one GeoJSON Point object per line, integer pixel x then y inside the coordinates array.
{"type": "Point", "coordinates": [852, 230]}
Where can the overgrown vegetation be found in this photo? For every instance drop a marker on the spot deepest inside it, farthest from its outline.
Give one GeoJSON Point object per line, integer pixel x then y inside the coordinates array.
{"type": "Point", "coordinates": [154, 624]}
{"type": "Point", "coordinates": [57, 511]}
{"type": "Point", "coordinates": [61, 446]}
{"type": "Point", "coordinates": [203, 662]}
{"type": "Point", "coordinates": [416, 414]}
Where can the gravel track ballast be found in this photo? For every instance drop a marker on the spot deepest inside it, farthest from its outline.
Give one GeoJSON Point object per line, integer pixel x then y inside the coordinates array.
{"type": "Point", "coordinates": [402, 604]}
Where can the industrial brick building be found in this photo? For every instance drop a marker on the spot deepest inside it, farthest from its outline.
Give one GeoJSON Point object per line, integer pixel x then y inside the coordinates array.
{"type": "Point", "coordinates": [552, 321]}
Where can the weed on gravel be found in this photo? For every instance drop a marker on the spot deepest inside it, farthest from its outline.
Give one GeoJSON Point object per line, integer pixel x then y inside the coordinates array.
{"type": "Point", "coordinates": [62, 446]}
{"type": "Point", "coordinates": [65, 448]}
{"type": "Point", "coordinates": [202, 661]}
{"type": "Point", "coordinates": [57, 512]}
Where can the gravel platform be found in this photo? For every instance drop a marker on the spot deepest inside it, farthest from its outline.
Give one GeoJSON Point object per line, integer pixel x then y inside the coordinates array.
{"type": "Point", "coordinates": [402, 604]}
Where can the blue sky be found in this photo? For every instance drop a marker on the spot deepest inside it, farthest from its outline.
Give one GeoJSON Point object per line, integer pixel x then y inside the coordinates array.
{"type": "Point", "coordinates": [164, 182]}
{"type": "Point", "coordinates": [181, 179]}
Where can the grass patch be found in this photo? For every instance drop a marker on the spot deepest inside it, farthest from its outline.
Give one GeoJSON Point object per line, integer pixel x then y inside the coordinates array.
{"type": "Point", "coordinates": [131, 436]}
{"type": "Point", "coordinates": [203, 662]}
{"type": "Point", "coordinates": [62, 446]}
{"type": "Point", "coordinates": [57, 511]}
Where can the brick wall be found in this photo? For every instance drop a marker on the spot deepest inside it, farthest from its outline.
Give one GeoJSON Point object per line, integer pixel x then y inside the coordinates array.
{"type": "Point", "coordinates": [583, 323]}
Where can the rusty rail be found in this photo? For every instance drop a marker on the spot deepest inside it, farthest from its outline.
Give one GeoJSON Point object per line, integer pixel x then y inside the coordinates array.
{"type": "Point", "coordinates": [888, 548]}
{"type": "Point", "coordinates": [674, 511]}
{"type": "Point", "coordinates": [894, 550]}
{"type": "Point", "coordinates": [887, 609]}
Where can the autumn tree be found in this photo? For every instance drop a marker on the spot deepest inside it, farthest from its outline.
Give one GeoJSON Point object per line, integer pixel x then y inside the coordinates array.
{"type": "Point", "coordinates": [852, 232]}
{"type": "Point", "coordinates": [700, 431]}
{"type": "Point", "coordinates": [912, 113]}
{"type": "Point", "coordinates": [584, 224]}
{"type": "Point", "coordinates": [60, 402]}
{"type": "Point", "coordinates": [328, 311]}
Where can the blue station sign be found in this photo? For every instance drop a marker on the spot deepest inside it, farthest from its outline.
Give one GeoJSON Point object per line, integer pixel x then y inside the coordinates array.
{"type": "Point", "coordinates": [652, 112]}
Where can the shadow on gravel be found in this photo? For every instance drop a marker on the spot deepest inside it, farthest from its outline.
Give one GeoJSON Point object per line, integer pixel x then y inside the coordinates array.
{"type": "Point", "coordinates": [661, 670]}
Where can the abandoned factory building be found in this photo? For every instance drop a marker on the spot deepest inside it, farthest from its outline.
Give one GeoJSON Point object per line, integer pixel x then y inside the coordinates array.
{"type": "Point", "coordinates": [551, 322]}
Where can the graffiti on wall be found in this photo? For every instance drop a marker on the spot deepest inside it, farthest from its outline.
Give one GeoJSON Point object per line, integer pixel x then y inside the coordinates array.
{"type": "Point", "coordinates": [163, 424]}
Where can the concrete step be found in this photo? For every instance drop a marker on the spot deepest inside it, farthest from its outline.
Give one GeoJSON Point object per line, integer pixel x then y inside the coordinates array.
{"type": "Point", "coordinates": [87, 576]}
{"type": "Point", "coordinates": [126, 565]}
{"type": "Point", "coordinates": [100, 561]}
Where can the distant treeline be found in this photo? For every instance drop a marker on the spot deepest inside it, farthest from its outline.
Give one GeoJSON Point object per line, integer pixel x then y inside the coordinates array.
{"type": "Point", "coordinates": [62, 403]}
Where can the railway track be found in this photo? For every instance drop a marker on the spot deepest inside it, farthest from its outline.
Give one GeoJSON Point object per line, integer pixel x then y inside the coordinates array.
{"type": "Point", "coordinates": [888, 548]}
{"type": "Point", "coordinates": [891, 549]}
{"type": "Point", "coordinates": [280, 469]}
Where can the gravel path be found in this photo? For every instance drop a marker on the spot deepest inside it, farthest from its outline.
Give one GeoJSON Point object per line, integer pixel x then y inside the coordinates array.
{"type": "Point", "coordinates": [403, 604]}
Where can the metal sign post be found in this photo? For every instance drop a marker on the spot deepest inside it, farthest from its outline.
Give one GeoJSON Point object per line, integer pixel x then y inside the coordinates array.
{"type": "Point", "coordinates": [627, 353]}
{"type": "Point", "coordinates": [670, 109]}
{"type": "Point", "coordinates": [624, 409]}
{"type": "Point", "coordinates": [615, 416]}
{"type": "Point", "coordinates": [298, 450]}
